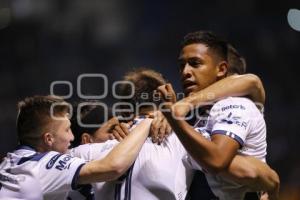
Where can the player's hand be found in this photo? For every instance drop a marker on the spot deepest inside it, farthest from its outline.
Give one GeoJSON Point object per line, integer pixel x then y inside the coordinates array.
{"type": "Point", "coordinates": [105, 131]}
{"type": "Point", "coordinates": [160, 128]}
{"type": "Point", "coordinates": [181, 108]}
{"type": "Point", "coordinates": [168, 96]}
{"type": "Point", "coordinates": [264, 196]}
{"type": "Point", "coordinates": [269, 196]}
{"type": "Point", "coordinates": [120, 130]}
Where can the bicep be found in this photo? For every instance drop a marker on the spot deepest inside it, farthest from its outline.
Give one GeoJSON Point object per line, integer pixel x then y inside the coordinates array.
{"type": "Point", "coordinates": [226, 148]}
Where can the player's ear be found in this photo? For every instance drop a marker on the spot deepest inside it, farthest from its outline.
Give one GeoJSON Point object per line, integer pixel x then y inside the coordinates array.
{"type": "Point", "coordinates": [222, 69]}
{"type": "Point", "coordinates": [86, 138]}
{"type": "Point", "coordinates": [48, 139]}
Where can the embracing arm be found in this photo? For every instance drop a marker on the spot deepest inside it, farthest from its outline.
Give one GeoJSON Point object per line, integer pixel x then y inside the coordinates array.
{"type": "Point", "coordinates": [235, 85]}
{"type": "Point", "coordinates": [255, 174]}
{"type": "Point", "coordinates": [119, 159]}
{"type": "Point", "coordinates": [214, 155]}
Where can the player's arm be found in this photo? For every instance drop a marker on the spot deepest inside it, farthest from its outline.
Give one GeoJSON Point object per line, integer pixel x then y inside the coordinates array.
{"type": "Point", "coordinates": [119, 159]}
{"type": "Point", "coordinates": [235, 85]}
{"type": "Point", "coordinates": [214, 155]}
{"type": "Point", "coordinates": [253, 173]}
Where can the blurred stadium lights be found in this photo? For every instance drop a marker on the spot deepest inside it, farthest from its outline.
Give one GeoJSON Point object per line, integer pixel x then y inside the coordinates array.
{"type": "Point", "coordinates": [294, 19]}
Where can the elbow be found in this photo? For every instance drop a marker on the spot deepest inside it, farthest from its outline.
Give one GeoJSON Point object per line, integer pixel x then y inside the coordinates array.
{"type": "Point", "coordinates": [248, 176]}
{"type": "Point", "coordinates": [216, 167]}
{"type": "Point", "coordinates": [256, 88]}
{"type": "Point", "coordinates": [276, 181]}
{"type": "Point", "coordinates": [118, 168]}
{"type": "Point", "coordinates": [254, 81]}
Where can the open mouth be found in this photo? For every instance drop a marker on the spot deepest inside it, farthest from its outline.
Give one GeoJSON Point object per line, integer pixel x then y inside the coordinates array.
{"type": "Point", "coordinates": [188, 85]}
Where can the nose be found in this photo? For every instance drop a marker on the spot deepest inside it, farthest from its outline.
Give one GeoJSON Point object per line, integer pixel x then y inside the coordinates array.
{"type": "Point", "coordinates": [71, 136]}
{"type": "Point", "coordinates": [186, 71]}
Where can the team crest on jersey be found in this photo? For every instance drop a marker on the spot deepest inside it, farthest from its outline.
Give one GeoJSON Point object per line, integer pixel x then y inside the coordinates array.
{"type": "Point", "coordinates": [230, 119]}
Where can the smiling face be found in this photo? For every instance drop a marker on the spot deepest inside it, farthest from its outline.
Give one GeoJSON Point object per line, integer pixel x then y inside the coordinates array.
{"type": "Point", "coordinates": [198, 68]}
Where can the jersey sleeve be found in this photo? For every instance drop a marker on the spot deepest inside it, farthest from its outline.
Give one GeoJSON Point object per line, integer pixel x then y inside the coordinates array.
{"type": "Point", "coordinates": [231, 118]}
{"type": "Point", "coordinates": [93, 151]}
{"type": "Point", "coordinates": [190, 163]}
{"type": "Point", "coordinates": [59, 172]}
{"type": "Point", "coordinates": [188, 159]}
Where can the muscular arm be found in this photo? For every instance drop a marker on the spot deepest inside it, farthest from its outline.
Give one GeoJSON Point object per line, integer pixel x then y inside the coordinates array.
{"type": "Point", "coordinates": [118, 160]}
{"type": "Point", "coordinates": [235, 85]}
{"type": "Point", "coordinates": [253, 173]}
{"type": "Point", "coordinates": [215, 155]}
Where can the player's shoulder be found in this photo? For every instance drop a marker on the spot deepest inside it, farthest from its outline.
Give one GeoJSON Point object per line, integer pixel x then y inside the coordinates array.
{"type": "Point", "coordinates": [93, 151]}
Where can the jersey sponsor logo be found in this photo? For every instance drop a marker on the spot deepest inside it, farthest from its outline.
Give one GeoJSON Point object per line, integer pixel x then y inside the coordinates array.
{"type": "Point", "coordinates": [234, 120]}
{"type": "Point", "coordinates": [233, 107]}
{"type": "Point", "coordinates": [52, 161]}
{"type": "Point", "coordinates": [62, 164]}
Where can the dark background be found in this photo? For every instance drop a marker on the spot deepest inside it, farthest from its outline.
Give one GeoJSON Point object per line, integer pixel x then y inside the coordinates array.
{"type": "Point", "coordinates": [42, 41]}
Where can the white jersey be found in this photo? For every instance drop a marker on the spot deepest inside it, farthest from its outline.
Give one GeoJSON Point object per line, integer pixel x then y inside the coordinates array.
{"type": "Point", "coordinates": [26, 174]}
{"type": "Point", "coordinates": [238, 118]}
{"type": "Point", "coordinates": [159, 172]}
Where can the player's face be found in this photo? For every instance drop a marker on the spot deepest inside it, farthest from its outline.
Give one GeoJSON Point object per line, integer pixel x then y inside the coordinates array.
{"type": "Point", "coordinates": [62, 135]}
{"type": "Point", "coordinates": [197, 68]}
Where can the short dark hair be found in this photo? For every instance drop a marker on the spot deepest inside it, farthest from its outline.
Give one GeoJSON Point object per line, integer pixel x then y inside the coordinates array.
{"type": "Point", "coordinates": [236, 62]}
{"type": "Point", "coordinates": [145, 82]}
{"type": "Point", "coordinates": [90, 114]}
{"type": "Point", "coordinates": [212, 41]}
{"type": "Point", "coordinates": [34, 115]}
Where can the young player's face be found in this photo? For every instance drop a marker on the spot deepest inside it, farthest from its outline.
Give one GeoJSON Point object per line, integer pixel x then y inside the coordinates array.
{"type": "Point", "coordinates": [62, 135]}
{"type": "Point", "coordinates": [197, 68]}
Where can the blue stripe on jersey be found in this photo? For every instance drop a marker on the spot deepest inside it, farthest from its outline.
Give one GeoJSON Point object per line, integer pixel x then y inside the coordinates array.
{"type": "Point", "coordinates": [35, 157]}
{"type": "Point", "coordinates": [229, 134]}
{"type": "Point", "coordinates": [118, 186]}
{"type": "Point", "coordinates": [87, 192]}
{"type": "Point", "coordinates": [128, 184]}
{"type": "Point", "coordinates": [74, 184]}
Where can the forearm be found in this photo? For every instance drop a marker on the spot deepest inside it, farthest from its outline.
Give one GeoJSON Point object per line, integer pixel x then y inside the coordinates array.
{"type": "Point", "coordinates": [119, 159]}
{"type": "Point", "coordinates": [203, 151]}
{"type": "Point", "coordinates": [235, 85]}
{"type": "Point", "coordinates": [253, 173]}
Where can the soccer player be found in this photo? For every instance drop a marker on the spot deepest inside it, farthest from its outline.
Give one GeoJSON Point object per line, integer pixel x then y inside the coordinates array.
{"type": "Point", "coordinates": [45, 135]}
{"type": "Point", "coordinates": [160, 171]}
{"type": "Point", "coordinates": [235, 124]}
